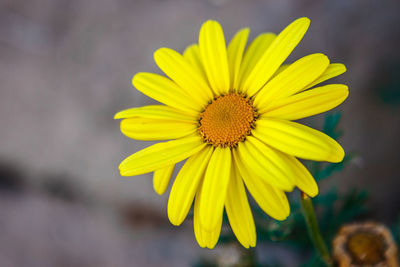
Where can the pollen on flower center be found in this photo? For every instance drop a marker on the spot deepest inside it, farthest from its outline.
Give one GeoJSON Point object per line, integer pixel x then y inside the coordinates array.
{"type": "Point", "coordinates": [227, 120]}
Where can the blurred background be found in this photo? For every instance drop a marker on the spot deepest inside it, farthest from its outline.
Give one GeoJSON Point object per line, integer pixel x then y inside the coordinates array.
{"type": "Point", "coordinates": [66, 69]}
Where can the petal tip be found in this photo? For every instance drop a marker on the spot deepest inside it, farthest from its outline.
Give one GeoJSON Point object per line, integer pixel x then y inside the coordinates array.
{"type": "Point", "coordinates": [337, 155]}
{"type": "Point", "coordinates": [346, 94]}
{"type": "Point", "coordinates": [343, 67]}
{"type": "Point", "coordinates": [211, 243]}
{"type": "Point", "coordinates": [245, 30]}
{"type": "Point", "coordinates": [321, 57]}
{"type": "Point", "coordinates": [123, 173]}
{"type": "Point", "coordinates": [211, 21]}
{"type": "Point", "coordinates": [133, 81]}
{"type": "Point", "coordinates": [173, 216]}
{"type": "Point", "coordinates": [160, 53]}
{"type": "Point", "coordinates": [123, 168]}
{"type": "Point", "coordinates": [117, 115]}
{"type": "Point", "coordinates": [302, 23]}
{"type": "Point", "coordinates": [189, 47]}
{"type": "Point", "coordinates": [325, 57]}
{"type": "Point", "coordinates": [312, 192]}
{"type": "Point", "coordinates": [160, 193]}
{"type": "Point", "coordinates": [158, 190]}
{"type": "Point", "coordinates": [281, 218]}
{"type": "Point", "coordinates": [173, 221]}
{"type": "Point", "coordinates": [303, 20]}
{"type": "Point", "coordinates": [136, 78]}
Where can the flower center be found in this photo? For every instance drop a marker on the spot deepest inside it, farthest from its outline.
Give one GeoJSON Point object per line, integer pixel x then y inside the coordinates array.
{"type": "Point", "coordinates": [366, 248]}
{"type": "Point", "coordinates": [227, 120]}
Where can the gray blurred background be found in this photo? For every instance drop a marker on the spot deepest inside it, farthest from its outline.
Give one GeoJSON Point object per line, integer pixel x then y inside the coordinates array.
{"type": "Point", "coordinates": [66, 68]}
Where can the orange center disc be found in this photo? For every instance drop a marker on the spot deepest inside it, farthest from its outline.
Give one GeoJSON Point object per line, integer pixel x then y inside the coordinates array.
{"type": "Point", "coordinates": [227, 120]}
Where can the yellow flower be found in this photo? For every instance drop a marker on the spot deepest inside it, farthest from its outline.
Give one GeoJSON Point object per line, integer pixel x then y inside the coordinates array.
{"type": "Point", "coordinates": [229, 111]}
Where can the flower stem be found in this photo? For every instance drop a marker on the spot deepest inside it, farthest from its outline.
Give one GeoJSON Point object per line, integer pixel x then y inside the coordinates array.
{"type": "Point", "coordinates": [313, 229]}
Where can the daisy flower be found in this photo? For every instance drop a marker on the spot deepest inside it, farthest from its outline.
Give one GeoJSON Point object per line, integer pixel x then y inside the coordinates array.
{"type": "Point", "coordinates": [229, 111]}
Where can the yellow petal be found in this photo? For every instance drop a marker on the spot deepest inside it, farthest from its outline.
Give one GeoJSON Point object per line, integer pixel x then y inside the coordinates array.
{"type": "Point", "coordinates": [280, 69]}
{"type": "Point", "coordinates": [239, 212]}
{"type": "Point", "coordinates": [235, 55]}
{"type": "Point", "coordinates": [160, 155]}
{"type": "Point", "coordinates": [205, 238]}
{"type": "Point", "coordinates": [214, 189]}
{"type": "Point", "coordinates": [333, 70]}
{"type": "Point", "coordinates": [161, 179]}
{"type": "Point", "coordinates": [186, 185]}
{"type": "Point", "coordinates": [291, 80]}
{"type": "Point", "coordinates": [214, 57]}
{"type": "Point", "coordinates": [308, 103]}
{"type": "Point", "coordinates": [192, 54]}
{"type": "Point", "coordinates": [156, 112]}
{"type": "Point", "coordinates": [253, 54]}
{"type": "Point", "coordinates": [165, 91]}
{"type": "Point", "coordinates": [274, 56]}
{"type": "Point", "coordinates": [155, 129]}
{"type": "Point", "coordinates": [304, 180]}
{"type": "Point", "coordinates": [266, 163]}
{"type": "Point", "coordinates": [184, 74]}
{"type": "Point", "coordinates": [271, 200]}
{"type": "Point", "coordinates": [298, 140]}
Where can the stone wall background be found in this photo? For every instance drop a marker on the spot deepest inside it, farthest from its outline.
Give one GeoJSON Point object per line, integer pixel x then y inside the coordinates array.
{"type": "Point", "coordinates": [66, 68]}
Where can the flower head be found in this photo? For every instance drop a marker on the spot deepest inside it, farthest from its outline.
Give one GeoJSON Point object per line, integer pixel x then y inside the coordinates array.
{"type": "Point", "coordinates": [228, 110]}
{"type": "Point", "coordinates": [365, 244]}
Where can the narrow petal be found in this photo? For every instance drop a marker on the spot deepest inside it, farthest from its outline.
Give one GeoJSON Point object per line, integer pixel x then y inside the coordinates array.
{"type": "Point", "coordinates": [214, 189]}
{"type": "Point", "coordinates": [266, 163]}
{"type": "Point", "coordinates": [205, 238]}
{"type": "Point", "coordinates": [304, 180]}
{"type": "Point", "coordinates": [253, 54]}
{"type": "Point", "coordinates": [198, 230]}
{"type": "Point", "coordinates": [291, 80]}
{"type": "Point", "coordinates": [239, 212]}
{"type": "Point", "coordinates": [160, 155]}
{"type": "Point", "coordinates": [184, 74]}
{"type": "Point", "coordinates": [165, 91]}
{"type": "Point", "coordinates": [333, 70]}
{"type": "Point", "coordinates": [155, 129]}
{"type": "Point", "coordinates": [271, 200]}
{"type": "Point", "coordinates": [192, 54]}
{"type": "Point", "coordinates": [235, 55]}
{"type": "Point", "coordinates": [161, 179]}
{"type": "Point", "coordinates": [274, 56]}
{"type": "Point", "coordinates": [308, 103]}
{"type": "Point", "coordinates": [214, 57]}
{"type": "Point", "coordinates": [298, 140]}
{"type": "Point", "coordinates": [186, 185]}
{"type": "Point", "coordinates": [160, 112]}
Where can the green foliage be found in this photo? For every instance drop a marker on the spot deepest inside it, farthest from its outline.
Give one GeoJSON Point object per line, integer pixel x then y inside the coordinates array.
{"type": "Point", "coordinates": [396, 231]}
{"type": "Point", "coordinates": [331, 123]}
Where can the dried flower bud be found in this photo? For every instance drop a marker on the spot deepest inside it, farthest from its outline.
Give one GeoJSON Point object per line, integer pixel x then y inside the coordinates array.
{"type": "Point", "coordinates": [365, 244]}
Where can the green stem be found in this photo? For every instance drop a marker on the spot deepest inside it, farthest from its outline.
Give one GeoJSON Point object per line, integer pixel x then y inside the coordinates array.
{"type": "Point", "coordinates": [313, 229]}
